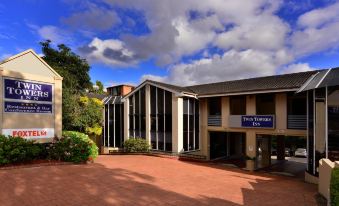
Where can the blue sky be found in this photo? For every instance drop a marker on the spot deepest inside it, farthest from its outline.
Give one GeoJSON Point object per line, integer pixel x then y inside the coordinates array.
{"type": "Point", "coordinates": [180, 42]}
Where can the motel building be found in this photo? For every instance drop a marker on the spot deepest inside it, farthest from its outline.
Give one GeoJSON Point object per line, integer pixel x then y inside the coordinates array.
{"type": "Point", "coordinates": [230, 120]}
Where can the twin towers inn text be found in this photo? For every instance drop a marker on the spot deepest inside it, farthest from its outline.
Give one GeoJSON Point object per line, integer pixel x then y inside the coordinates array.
{"type": "Point", "coordinates": [23, 90]}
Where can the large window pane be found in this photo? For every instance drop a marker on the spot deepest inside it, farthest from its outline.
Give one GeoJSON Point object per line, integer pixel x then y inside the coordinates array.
{"type": "Point", "coordinates": [153, 100]}
{"type": "Point", "coordinates": [142, 101]}
{"type": "Point", "coordinates": [333, 123]}
{"type": "Point", "coordinates": [185, 105]}
{"type": "Point", "coordinates": [214, 106]}
{"type": "Point", "coordinates": [191, 124]}
{"type": "Point", "coordinates": [161, 140]}
{"type": "Point", "coordinates": [238, 105]}
{"type": "Point", "coordinates": [310, 137]}
{"type": "Point", "coordinates": [168, 102]}
{"type": "Point", "coordinates": [265, 104]}
{"type": "Point", "coordinates": [160, 101]}
{"type": "Point", "coordinates": [296, 104]}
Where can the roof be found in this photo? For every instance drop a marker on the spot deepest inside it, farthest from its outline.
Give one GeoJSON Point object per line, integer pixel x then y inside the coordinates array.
{"type": "Point", "coordinates": [324, 78]}
{"type": "Point", "coordinates": [112, 100]}
{"type": "Point", "coordinates": [173, 87]}
{"type": "Point", "coordinates": [120, 85]}
{"type": "Point", "coordinates": [184, 91]}
{"type": "Point", "coordinates": [276, 83]}
{"type": "Point", "coordinates": [279, 82]}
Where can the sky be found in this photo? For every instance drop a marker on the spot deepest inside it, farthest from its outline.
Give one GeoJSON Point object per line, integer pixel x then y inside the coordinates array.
{"type": "Point", "coordinates": [183, 42]}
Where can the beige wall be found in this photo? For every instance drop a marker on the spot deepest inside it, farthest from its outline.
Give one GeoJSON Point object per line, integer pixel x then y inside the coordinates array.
{"type": "Point", "coordinates": [126, 119]}
{"type": "Point", "coordinates": [325, 171]}
{"type": "Point", "coordinates": [177, 124]}
{"type": "Point", "coordinates": [28, 62]}
{"type": "Point", "coordinates": [280, 123]}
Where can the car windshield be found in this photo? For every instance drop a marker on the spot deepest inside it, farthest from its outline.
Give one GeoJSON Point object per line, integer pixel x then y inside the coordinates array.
{"type": "Point", "coordinates": [301, 150]}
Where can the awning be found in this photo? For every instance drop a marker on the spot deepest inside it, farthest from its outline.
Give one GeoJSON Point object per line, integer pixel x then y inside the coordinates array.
{"type": "Point", "coordinates": [324, 78]}
{"type": "Point", "coordinates": [112, 100]}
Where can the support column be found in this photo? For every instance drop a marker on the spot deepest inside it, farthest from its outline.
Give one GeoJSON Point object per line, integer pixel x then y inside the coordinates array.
{"type": "Point", "coordinates": [204, 135]}
{"type": "Point", "coordinates": [57, 106]}
{"type": "Point", "coordinates": [280, 147]}
{"type": "Point", "coordinates": [1, 100]}
{"type": "Point", "coordinates": [148, 113]}
{"type": "Point", "coordinates": [251, 138]}
{"type": "Point", "coordinates": [126, 119]}
{"type": "Point", "coordinates": [281, 112]}
{"type": "Point", "coordinates": [177, 124]}
{"type": "Point", "coordinates": [225, 111]}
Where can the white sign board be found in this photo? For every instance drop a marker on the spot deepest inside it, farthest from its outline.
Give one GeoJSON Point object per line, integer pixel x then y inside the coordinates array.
{"type": "Point", "coordinates": [33, 133]}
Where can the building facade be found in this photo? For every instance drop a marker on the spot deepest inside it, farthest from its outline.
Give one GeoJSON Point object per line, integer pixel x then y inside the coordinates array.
{"type": "Point", "coordinates": [235, 119]}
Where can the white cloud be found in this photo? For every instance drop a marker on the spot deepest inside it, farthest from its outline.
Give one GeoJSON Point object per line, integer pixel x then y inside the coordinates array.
{"type": "Point", "coordinates": [318, 17]}
{"type": "Point", "coordinates": [295, 68]}
{"type": "Point", "coordinates": [318, 31]}
{"type": "Point", "coordinates": [93, 18]}
{"type": "Point", "coordinates": [53, 33]}
{"type": "Point", "coordinates": [231, 65]}
{"type": "Point", "coordinates": [234, 39]}
{"type": "Point", "coordinates": [112, 52]}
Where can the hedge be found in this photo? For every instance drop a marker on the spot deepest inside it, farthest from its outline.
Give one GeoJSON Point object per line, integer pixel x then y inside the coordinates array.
{"type": "Point", "coordinates": [16, 150]}
{"type": "Point", "coordinates": [73, 147]}
{"type": "Point", "coordinates": [334, 187]}
{"type": "Point", "coordinates": [136, 145]}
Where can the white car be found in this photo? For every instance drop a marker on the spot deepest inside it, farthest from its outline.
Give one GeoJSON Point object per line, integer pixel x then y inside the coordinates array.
{"type": "Point", "coordinates": [300, 152]}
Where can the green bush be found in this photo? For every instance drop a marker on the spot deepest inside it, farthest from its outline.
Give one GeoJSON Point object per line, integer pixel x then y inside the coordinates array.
{"type": "Point", "coordinates": [334, 187]}
{"type": "Point", "coordinates": [136, 145]}
{"type": "Point", "coordinates": [73, 147]}
{"type": "Point", "coordinates": [17, 149]}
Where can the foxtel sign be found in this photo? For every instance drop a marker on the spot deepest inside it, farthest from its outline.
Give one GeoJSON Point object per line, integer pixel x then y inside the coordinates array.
{"type": "Point", "coordinates": [34, 133]}
{"type": "Point", "coordinates": [27, 90]}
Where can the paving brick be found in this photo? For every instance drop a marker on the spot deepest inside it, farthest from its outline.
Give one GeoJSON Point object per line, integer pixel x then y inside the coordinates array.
{"type": "Point", "coordinates": [147, 180]}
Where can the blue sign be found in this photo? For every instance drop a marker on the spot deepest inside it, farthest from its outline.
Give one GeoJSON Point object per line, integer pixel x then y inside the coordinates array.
{"type": "Point", "coordinates": [22, 107]}
{"type": "Point", "coordinates": [257, 121]}
{"type": "Point", "coordinates": [26, 90]}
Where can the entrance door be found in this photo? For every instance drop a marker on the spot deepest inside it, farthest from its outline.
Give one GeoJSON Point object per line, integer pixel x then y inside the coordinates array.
{"type": "Point", "coordinates": [218, 145]}
{"type": "Point", "coordinates": [263, 151]}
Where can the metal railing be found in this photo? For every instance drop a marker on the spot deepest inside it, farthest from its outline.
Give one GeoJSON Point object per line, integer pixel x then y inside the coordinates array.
{"type": "Point", "coordinates": [296, 121]}
{"type": "Point", "coordinates": [214, 120]}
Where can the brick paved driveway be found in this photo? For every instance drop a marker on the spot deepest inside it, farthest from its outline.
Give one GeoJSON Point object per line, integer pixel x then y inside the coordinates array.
{"type": "Point", "coordinates": [145, 180]}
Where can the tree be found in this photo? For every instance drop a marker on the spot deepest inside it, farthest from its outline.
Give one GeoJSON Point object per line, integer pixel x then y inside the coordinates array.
{"type": "Point", "coordinates": [70, 66]}
{"type": "Point", "coordinates": [100, 87]}
{"type": "Point", "coordinates": [75, 73]}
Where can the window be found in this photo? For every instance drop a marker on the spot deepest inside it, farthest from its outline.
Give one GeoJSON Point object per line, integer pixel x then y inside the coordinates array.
{"type": "Point", "coordinates": [191, 124]}
{"type": "Point", "coordinates": [333, 123]}
{"type": "Point", "coordinates": [265, 104]}
{"type": "Point", "coordinates": [113, 127]}
{"type": "Point", "coordinates": [214, 106]}
{"type": "Point", "coordinates": [296, 111]}
{"type": "Point", "coordinates": [238, 105]}
{"type": "Point", "coordinates": [116, 91]}
{"type": "Point", "coordinates": [137, 120]}
{"type": "Point", "coordinates": [161, 119]}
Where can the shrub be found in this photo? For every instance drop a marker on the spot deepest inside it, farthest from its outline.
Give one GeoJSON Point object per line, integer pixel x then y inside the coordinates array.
{"type": "Point", "coordinates": [136, 145]}
{"type": "Point", "coordinates": [334, 187]}
{"type": "Point", "coordinates": [74, 147]}
{"type": "Point", "coordinates": [17, 149]}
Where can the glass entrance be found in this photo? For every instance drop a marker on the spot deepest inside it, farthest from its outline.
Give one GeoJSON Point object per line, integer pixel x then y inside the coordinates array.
{"type": "Point", "coordinates": [263, 151]}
